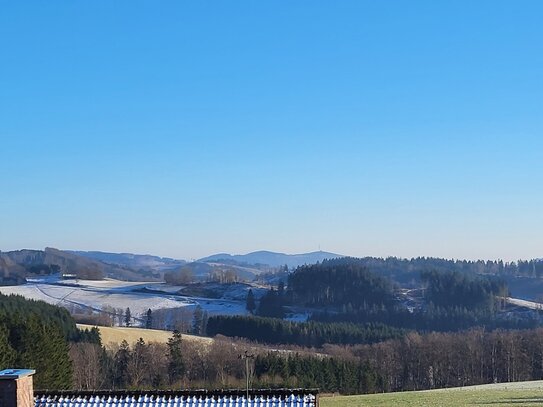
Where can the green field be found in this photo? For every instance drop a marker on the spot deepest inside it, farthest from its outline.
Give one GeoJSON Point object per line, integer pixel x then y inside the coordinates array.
{"type": "Point", "coordinates": [510, 394]}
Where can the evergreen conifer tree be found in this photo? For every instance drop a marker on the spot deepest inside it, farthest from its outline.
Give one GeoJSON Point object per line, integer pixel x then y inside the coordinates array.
{"type": "Point", "coordinates": [149, 319]}
{"type": "Point", "coordinates": [250, 303]}
{"type": "Point", "coordinates": [197, 321]}
{"type": "Point", "coordinates": [7, 353]}
{"type": "Point", "coordinates": [127, 317]}
{"type": "Point", "coordinates": [176, 365]}
{"type": "Point", "coordinates": [121, 362]}
{"type": "Point", "coordinates": [43, 348]}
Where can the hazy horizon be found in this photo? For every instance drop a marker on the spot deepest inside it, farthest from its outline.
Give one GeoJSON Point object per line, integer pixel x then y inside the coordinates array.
{"type": "Point", "coordinates": [146, 253]}
{"type": "Point", "coordinates": [363, 128]}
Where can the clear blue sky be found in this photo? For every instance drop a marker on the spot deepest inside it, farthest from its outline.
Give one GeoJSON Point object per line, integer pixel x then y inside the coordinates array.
{"type": "Point", "coordinates": [182, 129]}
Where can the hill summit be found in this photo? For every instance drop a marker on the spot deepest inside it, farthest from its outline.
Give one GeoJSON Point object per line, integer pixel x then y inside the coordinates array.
{"type": "Point", "coordinates": [272, 259]}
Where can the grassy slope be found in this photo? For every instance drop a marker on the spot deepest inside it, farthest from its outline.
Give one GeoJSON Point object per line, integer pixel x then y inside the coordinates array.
{"type": "Point", "coordinates": [508, 394]}
{"type": "Point", "coordinates": [131, 335]}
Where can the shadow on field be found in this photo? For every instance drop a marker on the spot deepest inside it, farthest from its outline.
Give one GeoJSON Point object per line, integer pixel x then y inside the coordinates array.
{"type": "Point", "coordinates": [516, 400]}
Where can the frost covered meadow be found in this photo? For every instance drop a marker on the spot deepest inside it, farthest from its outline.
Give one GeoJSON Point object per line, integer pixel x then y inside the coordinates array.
{"type": "Point", "coordinates": [89, 296]}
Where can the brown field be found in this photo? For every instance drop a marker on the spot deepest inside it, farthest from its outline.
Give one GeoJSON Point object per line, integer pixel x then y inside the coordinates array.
{"type": "Point", "coordinates": [115, 335]}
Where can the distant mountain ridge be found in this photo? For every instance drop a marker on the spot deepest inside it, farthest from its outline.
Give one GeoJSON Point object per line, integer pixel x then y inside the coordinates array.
{"type": "Point", "coordinates": [272, 259]}
{"type": "Point", "coordinates": [17, 265]}
{"type": "Point", "coordinates": [144, 262]}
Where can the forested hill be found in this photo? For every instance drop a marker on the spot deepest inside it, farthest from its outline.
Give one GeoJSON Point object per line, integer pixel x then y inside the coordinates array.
{"type": "Point", "coordinates": [15, 266]}
{"type": "Point", "coordinates": [17, 308]}
{"type": "Point", "coordinates": [408, 271]}
{"type": "Point", "coordinates": [340, 283]}
{"type": "Point", "coordinates": [138, 262]}
{"type": "Point", "coordinates": [346, 290]}
{"type": "Point", "coordinates": [349, 286]}
{"type": "Point", "coordinates": [347, 301]}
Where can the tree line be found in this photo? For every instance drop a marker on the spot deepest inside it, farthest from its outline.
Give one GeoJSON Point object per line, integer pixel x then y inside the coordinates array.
{"type": "Point", "coordinates": [414, 362]}
{"type": "Point", "coordinates": [439, 360]}
{"type": "Point", "coordinates": [308, 334]}
{"type": "Point", "coordinates": [181, 364]}
{"type": "Point", "coordinates": [407, 271]}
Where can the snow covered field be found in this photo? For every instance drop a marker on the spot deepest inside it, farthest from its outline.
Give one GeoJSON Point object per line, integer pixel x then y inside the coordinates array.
{"type": "Point", "coordinates": [524, 303]}
{"type": "Point", "coordinates": [95, 295]}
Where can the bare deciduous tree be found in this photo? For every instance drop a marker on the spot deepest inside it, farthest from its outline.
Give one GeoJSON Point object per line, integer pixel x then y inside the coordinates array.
{"type": "Point", "coordinates": [86, 365]}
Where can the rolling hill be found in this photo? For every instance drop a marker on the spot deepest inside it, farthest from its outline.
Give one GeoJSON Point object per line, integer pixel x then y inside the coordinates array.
{"type": "Point", "coordinates": [271, 259]}
{"type": "Point", "coordinates": [16, 265]}
{"type": "Point", "coordinates": [144, 262]}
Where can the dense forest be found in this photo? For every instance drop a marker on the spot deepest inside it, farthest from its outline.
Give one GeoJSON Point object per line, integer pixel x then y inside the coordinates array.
{"type": "Point", "coordinates": [16, 307]}
{"type": "Point", "coordinates": [33, 334]}
{"type": "Point", "coordinates": [381, 326]}
{"type": "Point", "coordinates": [438, 319]}
{"type": "Point", "coordinates": [407, 271]}
{"type": "Point", "coordinates": [349, 303]}
{"type": "Point", "coordinates": [347, 286]}
{"type": "Point", "coordinates": [451, 301]}
{"type": "Point", "coordinates": [451, 290]}
{"type": "Point", "coordinates": [343, 284]}
{"type": "Point", "coordinates": [310, 334]}
{"type": "Point", "coordinates": [448, 300]}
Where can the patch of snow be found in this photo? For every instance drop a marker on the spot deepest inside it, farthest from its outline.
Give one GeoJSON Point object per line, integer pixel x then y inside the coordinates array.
{"type": "Point", "coordinates": [524, 303]}
{"type": "Point", "coordinates": [165, 288]}
{"type": "Point", "coordinates": [97, 295]}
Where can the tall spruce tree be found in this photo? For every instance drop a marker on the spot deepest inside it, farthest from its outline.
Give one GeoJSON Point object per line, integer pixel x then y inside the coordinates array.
{"type": "Point", "coordinates": [205, 319]}
{"type": "Point", "coordinates": [250, 303]}
{"type": "Point", "coordinates": [120, 368]}
{"type": "Point", "coordinates": [149, 319]}
{"type": "Point", "coordinates": [127, 317]}
{"type": "Point", "coordinates": [176, 365]}
{"type": "Point", "coordinates": [197, 320]}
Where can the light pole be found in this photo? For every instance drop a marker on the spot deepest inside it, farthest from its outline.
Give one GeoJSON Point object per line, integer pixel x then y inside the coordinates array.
{"type": "Point", "coordinates": [246, 356]}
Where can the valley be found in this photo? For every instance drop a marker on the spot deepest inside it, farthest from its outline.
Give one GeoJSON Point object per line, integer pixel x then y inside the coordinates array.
{"type": "Point", "coordinates": [370, 323]}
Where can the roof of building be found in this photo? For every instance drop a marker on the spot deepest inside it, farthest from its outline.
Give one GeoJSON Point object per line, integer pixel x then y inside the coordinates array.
{"type": "Point", "coordinates": [8, 374]}
{"type": "Point", "coordinates": [199, 398]}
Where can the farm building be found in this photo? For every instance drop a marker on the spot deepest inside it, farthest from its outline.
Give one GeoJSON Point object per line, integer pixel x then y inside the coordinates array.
{"type": "Point", "coordinates": [16, 390]}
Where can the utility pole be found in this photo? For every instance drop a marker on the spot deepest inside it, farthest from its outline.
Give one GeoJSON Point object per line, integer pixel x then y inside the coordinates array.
{"type": "Point", "coordinates": [246, 356]}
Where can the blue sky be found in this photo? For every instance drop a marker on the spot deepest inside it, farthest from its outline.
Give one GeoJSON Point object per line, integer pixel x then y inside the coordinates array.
{"type": "Point", "coordinates": [407, 128]}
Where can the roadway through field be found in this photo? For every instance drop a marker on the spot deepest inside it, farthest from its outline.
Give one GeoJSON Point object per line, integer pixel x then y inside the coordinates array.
{"type": "Point", "coordinates": [79, 304]}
